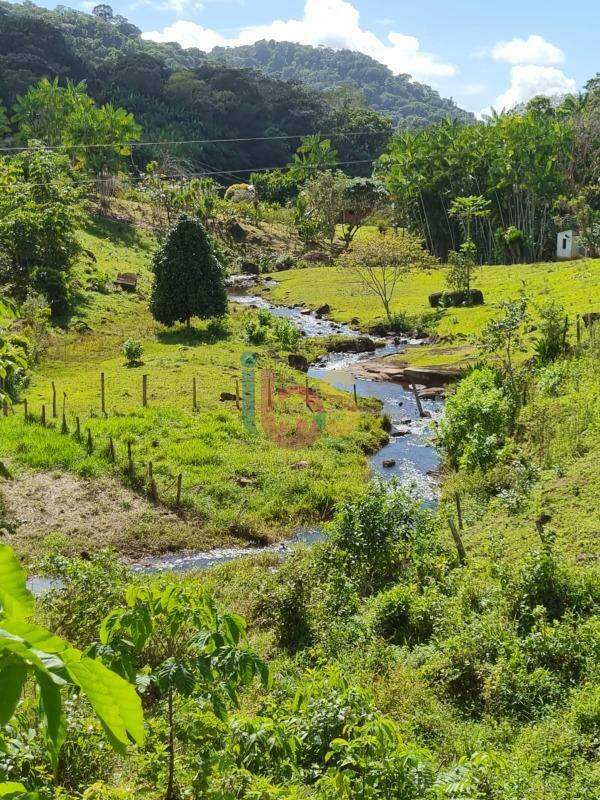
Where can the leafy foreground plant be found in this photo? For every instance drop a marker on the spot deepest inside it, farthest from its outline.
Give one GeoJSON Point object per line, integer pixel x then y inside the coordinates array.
{"type": "Point", "coordinates": [29, 650]}
{"type": "Point", "coordinates": [185, 646]}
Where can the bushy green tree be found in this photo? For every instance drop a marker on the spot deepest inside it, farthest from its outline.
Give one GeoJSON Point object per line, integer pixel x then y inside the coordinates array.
{"type": "Point", "coordinates": [40, 211]}
{"type": "Point", "coordinates": [476, 422]}
{"type": "Point", "coordinates": [67, 115]}
{"type": "Point", "coordinates": [189, 281]}
{"type": "Point", "coordinates": [313, 154]}
{"type": "Point", "coordinates": [362, 198]}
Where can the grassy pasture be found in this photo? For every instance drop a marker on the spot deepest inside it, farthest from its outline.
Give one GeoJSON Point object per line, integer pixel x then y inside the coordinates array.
{"type": "Point", "coordinates": [236, 484]}
{"type": "Point", "coordinates": [575, 284]}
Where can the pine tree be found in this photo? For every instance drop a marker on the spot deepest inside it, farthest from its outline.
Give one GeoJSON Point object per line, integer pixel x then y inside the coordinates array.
{"type": "Point", "coordinates": [189, 281]}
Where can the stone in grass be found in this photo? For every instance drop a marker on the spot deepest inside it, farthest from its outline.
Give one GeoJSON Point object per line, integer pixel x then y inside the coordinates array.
{"type": "Point", "coordinates": [388, 463]}
{"type": "Point", "coordinates": [322, 310]}
{"type": "Point", "coordinates": [228, 396]}
{"type": "Point", "coordinates": [300, 465]}
{"type": "Point", "coordinates": [242, 480]}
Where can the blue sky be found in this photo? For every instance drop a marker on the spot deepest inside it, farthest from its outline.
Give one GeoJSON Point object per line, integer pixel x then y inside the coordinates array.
{"type": "Point", "coordinates": [480, 53]}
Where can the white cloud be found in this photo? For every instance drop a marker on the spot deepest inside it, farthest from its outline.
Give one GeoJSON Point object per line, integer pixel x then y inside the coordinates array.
{"type": "Point", "coordinates": [334, 23]}
{"type": "Point", "coordinates": [533, 50]}
{"type": "Point", "coordinates": [530, 80]}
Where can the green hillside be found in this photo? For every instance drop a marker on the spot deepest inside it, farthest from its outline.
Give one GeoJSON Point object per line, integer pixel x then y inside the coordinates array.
{"type": "Point", "coordinates": [409, 103]}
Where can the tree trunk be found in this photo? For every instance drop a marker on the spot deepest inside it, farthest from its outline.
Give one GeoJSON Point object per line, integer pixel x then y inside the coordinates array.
{"type": "Point", "coordinates": [170, 795]}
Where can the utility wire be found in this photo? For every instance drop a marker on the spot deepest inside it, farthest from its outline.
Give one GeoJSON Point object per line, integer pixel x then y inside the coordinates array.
{"type": "Point", "coordinates": [187, 141]}
{"type": "Point", "coordinates": [178, 176]}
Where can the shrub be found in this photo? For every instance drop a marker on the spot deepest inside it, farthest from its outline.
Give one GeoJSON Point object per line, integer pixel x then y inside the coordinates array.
{"type": "Point", "coordinates": [546, 582]}
{"type": "Point", "coordinates": [553, 327]}
{"type": "Point", "coordinates": [403, 616]}
{"type": "Point", "coordinates": [379, 534]}
{"type": "Point", "coordinates": [553, 377]}
{"type": "Point", "coordinates": [255, 331]}
{"type": "Point", "coordinates": [511, 690]}
{"type": "Point", "coordinates": [585, 711]}
{"type": "Point", "coordinates": [476, 422]}
{"type": "Point", "coordinates": [133, 351]}
{"type": "Point", "coordinates": [286, 333]}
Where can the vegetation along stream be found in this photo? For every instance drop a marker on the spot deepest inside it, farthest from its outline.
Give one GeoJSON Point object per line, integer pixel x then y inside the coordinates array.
{"type": "Point", "coordinates": [409, 457]}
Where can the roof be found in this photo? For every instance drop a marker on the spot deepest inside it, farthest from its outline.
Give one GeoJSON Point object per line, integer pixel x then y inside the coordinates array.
{"type": "Point", "coordinates": [127, 278]}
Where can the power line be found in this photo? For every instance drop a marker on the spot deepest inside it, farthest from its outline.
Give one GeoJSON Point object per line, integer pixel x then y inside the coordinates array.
{"type": "Point", "coordinates": [188, 141]}
{"type": "Point", "coordinates": [205, 174]}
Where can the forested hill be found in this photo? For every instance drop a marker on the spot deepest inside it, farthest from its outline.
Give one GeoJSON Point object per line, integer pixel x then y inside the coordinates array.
{"type": "Point", "coordinates": [179, 94]}
{"type": "Point", "coordinates": [408, 103]}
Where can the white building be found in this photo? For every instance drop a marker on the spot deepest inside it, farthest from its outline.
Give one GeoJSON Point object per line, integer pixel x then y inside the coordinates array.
{"type": "Point", "coordinates": [568, 245]}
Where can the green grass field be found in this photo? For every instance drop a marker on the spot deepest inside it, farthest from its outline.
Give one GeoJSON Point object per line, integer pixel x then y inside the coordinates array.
{"type": "Point", "coordinates": [575, 284]}
{"type": "Point", "coordinates": [236, 483]}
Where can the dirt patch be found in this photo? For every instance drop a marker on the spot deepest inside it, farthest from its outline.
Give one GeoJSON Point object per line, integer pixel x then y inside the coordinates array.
{"type": "Point", "coordinates": [90, 514]}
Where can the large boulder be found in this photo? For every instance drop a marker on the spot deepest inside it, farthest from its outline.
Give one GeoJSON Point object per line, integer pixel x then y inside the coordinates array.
{"type": "Point", "coordinates": [474, 297]}
{"type": "Point", "coordinates": [298, 361]}
{"type": "Point", "coordinates": [352, 344]}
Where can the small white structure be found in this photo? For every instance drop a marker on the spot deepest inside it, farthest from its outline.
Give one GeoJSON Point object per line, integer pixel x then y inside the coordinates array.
{"type": "Point", "coordinates": [568, 245]}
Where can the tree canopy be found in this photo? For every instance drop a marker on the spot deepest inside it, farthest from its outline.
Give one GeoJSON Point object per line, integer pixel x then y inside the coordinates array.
{"type": "Point", "coordinates": [189, 281]}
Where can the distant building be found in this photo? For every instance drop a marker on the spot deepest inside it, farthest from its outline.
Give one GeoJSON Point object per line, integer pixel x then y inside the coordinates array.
{"type": "Point", "coordinates": [568, 245]}
{"type": "Point", "coordinates": [127, 281]}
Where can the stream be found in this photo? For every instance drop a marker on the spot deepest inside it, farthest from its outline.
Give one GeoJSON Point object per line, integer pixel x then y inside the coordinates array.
{"type": "Point", "coordinates": [415, 459]}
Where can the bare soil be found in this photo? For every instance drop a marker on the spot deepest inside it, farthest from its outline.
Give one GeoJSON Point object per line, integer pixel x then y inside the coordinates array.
{"type": "Point", "coordinates": [90, 514]}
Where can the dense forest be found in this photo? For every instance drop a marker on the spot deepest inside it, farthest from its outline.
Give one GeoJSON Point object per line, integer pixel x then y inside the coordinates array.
{"type": "Point", "coordinates": [409, 103]}
{"type": "Point", "coordinates": [181, 95]}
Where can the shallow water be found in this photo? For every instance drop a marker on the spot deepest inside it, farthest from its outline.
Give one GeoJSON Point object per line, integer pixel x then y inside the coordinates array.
{"type": "Point", "coordinates": [414, 455]}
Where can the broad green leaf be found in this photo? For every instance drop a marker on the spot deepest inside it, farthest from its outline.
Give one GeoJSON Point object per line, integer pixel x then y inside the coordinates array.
{"type": "Point", "coordinates": [52, 713]}
{"type": "Point", "coordinates": [12, 679]}
{"type": "Point", "coordinates": [15, 598]}
{"type": "Point", "coordinates": [37, 637]}
{"type": "Point", "coordinates": [11, 644]}
{"type": "Point", "coordinates": [114, 700]}
{"type": "Point", "coordinates": [12, 789]}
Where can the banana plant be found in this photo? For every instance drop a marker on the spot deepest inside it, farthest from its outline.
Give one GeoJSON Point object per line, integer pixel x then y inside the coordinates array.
{"type": "Point", "coordinates": [177, 642]}
{"type": "Point", "coordinates": [30, 652]}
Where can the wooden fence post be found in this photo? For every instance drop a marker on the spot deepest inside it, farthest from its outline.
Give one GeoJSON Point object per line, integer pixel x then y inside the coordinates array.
{"type": "Point", "coordinates": [458, 510]}
{"type": "Point", "coordinates": [355, 395]}
{"type": "Point", "coordinates": [25, 411]}
{"type": "Point", "coordinates": [54, 412]}
{"type": "Point", "coordinates": [43, 415]}
{"type": "Point", "coordinates": [102, 394]}
{"type": "Point", "coordinates": [417, 400]}
{"type": "Point", "coordinates": [64, 428]}
{"type": "Point", "coordinates": [460, 548]}
{"type": "Point", "coordinates": [152, 491]}
{"type": "Point", "coordinates": [111, 449]}
{"type": "Point", "coordinates": [144, 390]}
{"type": "Point", "coordinates": [90, 442]}
{"type": "Point", "coordinates": [178, 496]}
